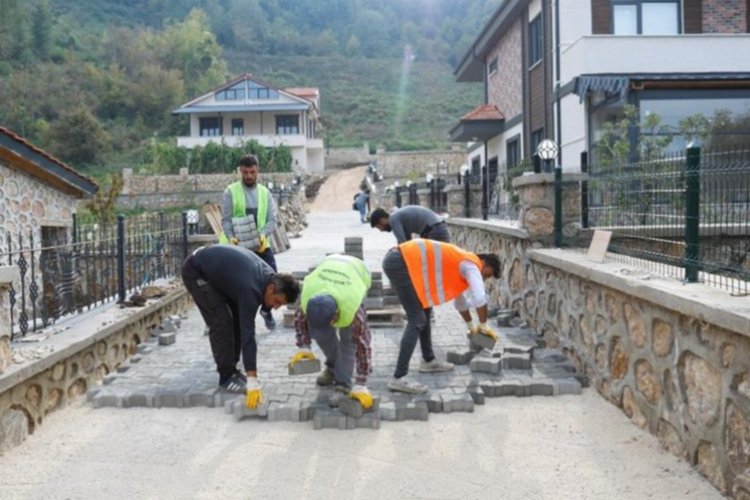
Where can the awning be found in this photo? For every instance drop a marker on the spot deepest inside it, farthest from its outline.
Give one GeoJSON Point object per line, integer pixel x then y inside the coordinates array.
{"type": "Point", "coordinates": [480, 124]}
{"type": "Point", "coordinates": [610, 84]}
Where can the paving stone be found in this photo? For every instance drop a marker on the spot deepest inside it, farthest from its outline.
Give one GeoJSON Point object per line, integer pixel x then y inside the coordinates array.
{"type": "Point", "coordinates": [284, 412]}
{"type": "Point", "coordinates": [166, 326]}
{"type": "Point", "coordinates": [567, 386]}
{"type": "Point", "coordinates": [332, 419]}
{"type": "Point", "coordinates": [305, 367]}
{"type": "Point", "coordinates": [167, 338]}
{"type": "Point", "coordinates": [516, 361]}
{"type": "Point", "coordinates": [485, 365]}
{"type": "Point", "coordinates": [176, 319]}
{"type": "Point", "coordinates": [373, 302]}
{"type": "Point", "coordinates": [433, 401]}
{"type": "Point", "coordinates": [545, 388]}
{"type": "Point", "coordinates": [241, 411]}
{"type": "Point", "coordinates": [203, 399]}
{"type": "Point", "coordinates": [91, 393]}
{"type": "Point", "coordinates": [460, 356]}
{"type": "Point", "coordinates": [352, 408]}
{"type": "Point", "coordinates": [123, 368]}
{"type": "Point", "coordinates": [106, 400]}
{"type": "Point", "coordinates": [367, 421]}
{"type": "Point", "coordinates": [457, 402]}
{"type": "Point", "coordinates": [139, 400]}
{"type": "Point", "coordinates": [109, 378]}
{"type": "Point", "coordinates": [477, 395]}
{"type": "Point", "coordinates": [483, 341]}
{"type": "Point", "coordinates": [549, 356]}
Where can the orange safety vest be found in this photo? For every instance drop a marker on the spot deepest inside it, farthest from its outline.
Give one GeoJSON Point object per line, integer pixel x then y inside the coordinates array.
{"type": "Point", "coordinates": [433, 269]}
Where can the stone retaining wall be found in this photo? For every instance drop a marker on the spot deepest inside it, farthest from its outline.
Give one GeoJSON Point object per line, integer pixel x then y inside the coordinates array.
{"type": "Point", "coordinates": [675, 358]}
{"type": "Point", "coordinates": [80, 358]}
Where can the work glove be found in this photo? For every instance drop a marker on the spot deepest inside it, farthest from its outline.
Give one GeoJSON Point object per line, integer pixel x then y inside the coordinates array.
{"type": "Point", "coordinates": [264, 245]}
{"type": "Point", "coordinates": [362, 394]}
{"type": "Point", "coordinates": [303, 353]}
{"type": "Point", "coordinates": [254, 393]}
{"type": "Point", "coordinates": [485, 329]}
{"type": "Point", "coordinates": [471, 328]}
{"type": "Point", "coordinates": [234, 240]}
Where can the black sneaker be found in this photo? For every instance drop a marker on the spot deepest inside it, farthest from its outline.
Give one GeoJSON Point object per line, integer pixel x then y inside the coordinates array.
{"type": "Point", "coordinates": [235, 384]}
{"type": "Point", "coordinates": [325, 377]}
{"type": "Point", "coordinates": [268, 319]}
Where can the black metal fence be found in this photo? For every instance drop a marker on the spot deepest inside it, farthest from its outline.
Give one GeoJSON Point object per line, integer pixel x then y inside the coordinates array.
{"type": "Point", "coordinates": [685, 215]}
{"type": "Point", "coordinates": [72, 270]}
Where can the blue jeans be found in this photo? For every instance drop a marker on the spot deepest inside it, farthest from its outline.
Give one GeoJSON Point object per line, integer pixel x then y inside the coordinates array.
{"type": "Point", "coordinates": [417, 317]}
{"type": "Point", "coordinates": [362, 207]}
{"type": "Point", "coordinates": [338, 349]}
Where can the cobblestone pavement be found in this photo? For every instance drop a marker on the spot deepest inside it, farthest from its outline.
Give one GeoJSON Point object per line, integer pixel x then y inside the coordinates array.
{"type": "Point", "coordinates": [182, 373]}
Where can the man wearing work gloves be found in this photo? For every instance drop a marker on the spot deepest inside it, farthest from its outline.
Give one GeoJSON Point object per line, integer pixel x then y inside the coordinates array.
{"type": "Point", "coordinates": [332, 297]}
{"type": "Point", "coordinates": [250, 198]}
{"type": "Point", "coordinates": [411, 219]}
{"type": "Point", "coordinates": [427, 273]}
{"type": "Point", "coordinates": [229, 284]}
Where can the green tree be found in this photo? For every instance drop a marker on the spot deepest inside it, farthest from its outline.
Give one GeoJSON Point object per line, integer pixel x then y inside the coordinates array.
{"type": "Point", "coordinates": [78, 137]}
{"type": "Point", "coordinates": [41, 30]}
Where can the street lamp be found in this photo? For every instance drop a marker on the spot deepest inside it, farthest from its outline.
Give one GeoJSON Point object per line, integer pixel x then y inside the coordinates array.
{"type": "Point", "coordinates": [547, 151]}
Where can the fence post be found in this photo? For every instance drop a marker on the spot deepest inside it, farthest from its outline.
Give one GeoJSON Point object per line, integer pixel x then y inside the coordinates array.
{"type": "Point", "coordinates": [467, 195]}
{"type": "Point", "coordinates": [584, 191]}
{"type": "Point", "coordinates": [485, 193]}
{"type": "Point", "coordinates": [398, 196]}
{"type": "Point", "coordinates": [184, 235]}
{"type": "Point", "coordinates": [120, 258]}
{"type": "Point", "coordinates": [558, 206]}
{"type": "Point", "coordinates": [692, 212]}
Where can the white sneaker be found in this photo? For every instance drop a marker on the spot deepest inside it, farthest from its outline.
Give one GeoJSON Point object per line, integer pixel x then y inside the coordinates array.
{"type": "Point", "coordinates": [435, 366]}
{"type": "Point", "coordinates": [405, 384]}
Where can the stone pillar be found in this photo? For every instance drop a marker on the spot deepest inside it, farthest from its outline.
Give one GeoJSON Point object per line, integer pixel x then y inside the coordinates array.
{"type": "Point", "coordinates": [8, 275]}
{"type": "Point", "coordinates": [457, 200]}
{"type": "Point", "coordinates": [537, 199]}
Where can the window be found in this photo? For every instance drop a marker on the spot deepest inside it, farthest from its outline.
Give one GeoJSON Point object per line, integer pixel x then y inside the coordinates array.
{"type": "Point", "coordinates": [238, 126]}
{"type": "Point", "coordinates": [537, 136]}
{"type": "Point", "coordinates": [234, 93]}
{"type": "Point", "coordinates": [646, 17]}
{"type": "Point", "coordinates": [287, 124]}
{"type": "Point", "coordinates": [210, 126]}
{"type": "Point", "coordinates": [492, 67]}
{"type": "Point", "coordinates": [536, 40]}
{"type": "Point", "coordinates": [259, 92]}
{"type": "Point", "coordinates": [512, 152]}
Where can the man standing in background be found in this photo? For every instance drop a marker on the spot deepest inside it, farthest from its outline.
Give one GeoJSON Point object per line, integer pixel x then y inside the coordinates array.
{"type": "Point", "coordinates": [250, 198]}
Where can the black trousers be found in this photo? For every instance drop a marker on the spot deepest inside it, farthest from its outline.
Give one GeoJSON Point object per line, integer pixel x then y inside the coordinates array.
{"type": "Point", "coordinates": [221, 316]}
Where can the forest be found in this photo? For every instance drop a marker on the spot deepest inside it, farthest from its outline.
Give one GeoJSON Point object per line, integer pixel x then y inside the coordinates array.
{"type": "Point", "coordinates": [94, 82]}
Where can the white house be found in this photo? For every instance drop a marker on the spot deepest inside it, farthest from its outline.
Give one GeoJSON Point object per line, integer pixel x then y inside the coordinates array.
{"type": "Point", "coordinates": [247, 108]}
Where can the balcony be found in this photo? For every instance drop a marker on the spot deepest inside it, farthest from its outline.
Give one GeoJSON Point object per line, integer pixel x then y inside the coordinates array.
{"type": "Point", "coordinates": [610, 54]}
{"type": "Point", "coordinates": [269, 141]}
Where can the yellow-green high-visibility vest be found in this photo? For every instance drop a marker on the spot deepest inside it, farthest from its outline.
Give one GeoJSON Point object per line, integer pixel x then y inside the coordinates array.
{"type": "Point", "coordinates": [343, 277]}
{"type": "Point", "coordinates": [236, 189]}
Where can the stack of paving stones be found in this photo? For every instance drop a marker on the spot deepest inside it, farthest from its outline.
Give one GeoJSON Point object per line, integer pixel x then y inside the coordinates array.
{"type": "Point", "coordinates": [182, 374]}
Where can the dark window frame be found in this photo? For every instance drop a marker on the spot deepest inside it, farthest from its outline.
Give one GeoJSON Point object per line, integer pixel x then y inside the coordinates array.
{"type": "Point", "coordinates": [284, 125]}
{"type": "Point", "coordinates": [210, 126]}
{"type": "Point", "coordinates": [536, 40]}
{"type": "Point", "coordinates": [238, 126]}
{"type": "Point", "coordinates": [513, 151]}
{"type": "Point", "coordinates": [639, 13]}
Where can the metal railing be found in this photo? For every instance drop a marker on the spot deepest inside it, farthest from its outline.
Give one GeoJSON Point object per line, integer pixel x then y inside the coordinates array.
{"type": "Point", "coordinates": [75, 269]}
{"type": "Point", "coordinates": [685, 215]}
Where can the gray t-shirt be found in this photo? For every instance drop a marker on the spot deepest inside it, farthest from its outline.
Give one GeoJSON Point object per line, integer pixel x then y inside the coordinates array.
{"type": "Point", "coordinates": [411, 219]}
{"type": "Point", "coordinates": [251, 207]}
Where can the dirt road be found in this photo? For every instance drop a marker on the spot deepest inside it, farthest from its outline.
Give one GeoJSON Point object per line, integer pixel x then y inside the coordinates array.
{"type": "Point", "coordinates": [337, 192]}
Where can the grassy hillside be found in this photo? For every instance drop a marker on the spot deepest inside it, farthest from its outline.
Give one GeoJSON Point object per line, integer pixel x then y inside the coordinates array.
{"type": "Point", "coordinates": [405, 106]}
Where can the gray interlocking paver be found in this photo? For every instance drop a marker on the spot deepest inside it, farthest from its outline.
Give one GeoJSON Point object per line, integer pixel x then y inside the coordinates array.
{"type": "Point", "coordinates": [183, 374]}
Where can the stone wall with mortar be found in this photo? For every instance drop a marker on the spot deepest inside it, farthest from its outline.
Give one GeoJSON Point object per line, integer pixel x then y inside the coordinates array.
{"type": "Point", "coordinates": [415, 165]}
{"type": "Point", "coordinates": [675, 358]}
{"type": "Point", "coordinates": [153, 192]}
{"type": "Point", "coordinates": [30, 391]}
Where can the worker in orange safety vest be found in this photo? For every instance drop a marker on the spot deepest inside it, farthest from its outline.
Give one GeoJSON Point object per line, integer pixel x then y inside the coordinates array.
{"type": "Point", "coordinates": [427, 273]}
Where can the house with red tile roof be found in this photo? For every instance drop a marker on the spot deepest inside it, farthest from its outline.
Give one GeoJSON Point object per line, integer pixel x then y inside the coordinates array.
{"type": "Point", "coordinates": [247, 108]}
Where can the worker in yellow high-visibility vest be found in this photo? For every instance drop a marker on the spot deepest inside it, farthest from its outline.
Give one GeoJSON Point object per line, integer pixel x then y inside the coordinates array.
{"type": "Point", "coordinates": [249, 197]}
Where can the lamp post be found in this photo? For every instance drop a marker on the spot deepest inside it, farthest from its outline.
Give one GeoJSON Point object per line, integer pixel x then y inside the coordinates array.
{"type": "Point", "coordinates": [547, 151]}
{"type": "Point", "coordinates": [430, 180]}
{"type": "Point", "coordinates": [464, 173]}
{"type": "Point", "coordinates": [397, 187]}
